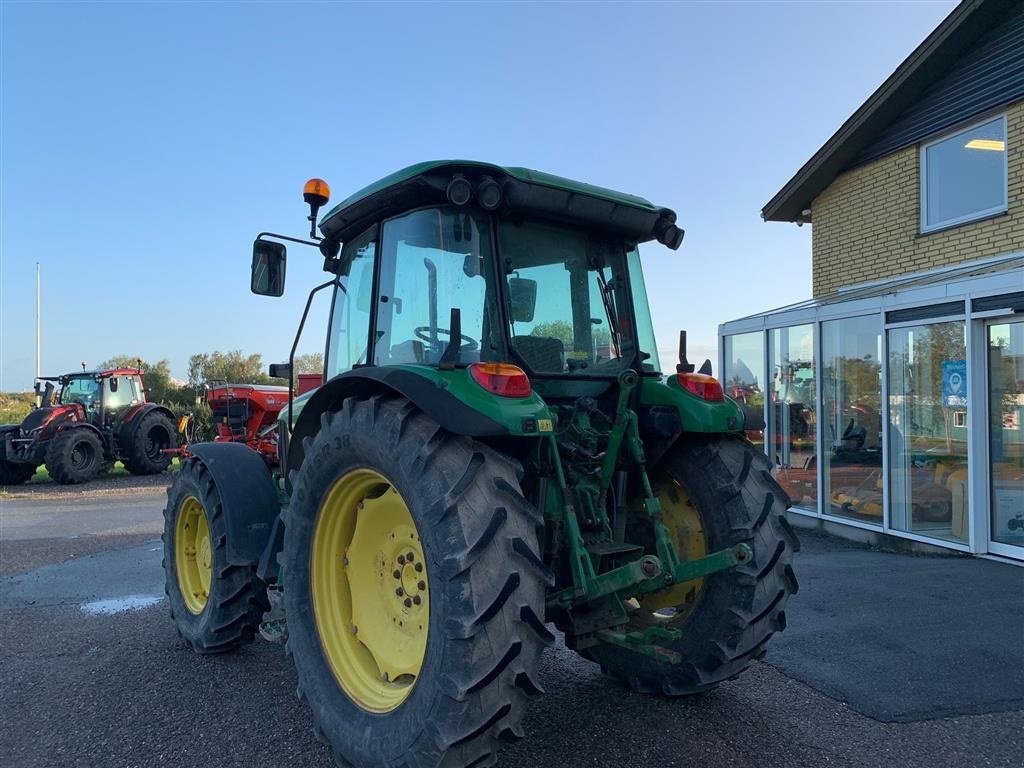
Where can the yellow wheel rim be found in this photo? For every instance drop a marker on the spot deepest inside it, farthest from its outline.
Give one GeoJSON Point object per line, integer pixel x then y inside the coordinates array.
{"type": "Point", "coordinates": [193, 554]}
{"type": "Point", "coordinates": [686, 530]}
{"type": "Point", "coordinates": [371, 595]}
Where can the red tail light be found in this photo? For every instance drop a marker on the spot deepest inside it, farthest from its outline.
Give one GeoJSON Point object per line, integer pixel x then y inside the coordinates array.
{"type": "Point", "coordinates": [704, 387]}
{"type": "Point", "coordinates": [502, 379]}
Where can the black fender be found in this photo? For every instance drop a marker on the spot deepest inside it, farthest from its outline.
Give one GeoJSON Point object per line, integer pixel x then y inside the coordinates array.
{"type": "Point", "coordinates": [128, 426]}
{"type": "Point", "coordinates": [249, 499]}
{"type": "Point", "coordinates": [65, 426]}
{"type": "Point", "coordinates": [439, 404]}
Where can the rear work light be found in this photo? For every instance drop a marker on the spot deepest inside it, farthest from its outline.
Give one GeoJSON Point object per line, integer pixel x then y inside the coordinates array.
{"type": "Point", "coordinates": [502, 379]}
{"type": "Point", "coordinates": [704, 387]}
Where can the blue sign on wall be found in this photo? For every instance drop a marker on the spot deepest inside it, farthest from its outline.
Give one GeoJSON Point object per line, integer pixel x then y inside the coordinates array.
{"type": "Point", "coordinates": [954, 383]}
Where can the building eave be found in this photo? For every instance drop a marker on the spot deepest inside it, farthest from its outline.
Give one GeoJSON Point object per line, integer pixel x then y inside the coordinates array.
{"type": "Point", "coordinates": [929, 61]}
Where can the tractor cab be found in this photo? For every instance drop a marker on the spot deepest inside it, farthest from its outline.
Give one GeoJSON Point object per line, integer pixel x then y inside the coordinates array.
{"type": "Point", "coordinates": [104, 395]}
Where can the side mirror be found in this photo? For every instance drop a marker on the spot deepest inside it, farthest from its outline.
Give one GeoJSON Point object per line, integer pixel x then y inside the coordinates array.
{"type": "Point", "coordinates": [268, 266]}
{"type": "Point", "coordinates": [113, 383]}
{"type": "Point", "coordinates": [473, 265]}
{"type": "Point", "coordinates": [280, 371]}
{"type": "Point", "coordinates": [522, 296]}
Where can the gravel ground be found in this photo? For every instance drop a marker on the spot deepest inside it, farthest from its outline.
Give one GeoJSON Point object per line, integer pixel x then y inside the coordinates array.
{"type": "Point", "coordinates": [123, 691]}
{"type": "Point", "coordinates": [113, 691]}
{"type": "Point", "coordinates": [105, 485]}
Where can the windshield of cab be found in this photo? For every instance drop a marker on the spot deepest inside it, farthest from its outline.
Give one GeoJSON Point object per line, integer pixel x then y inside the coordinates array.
{"type": "Point", "coordinates": [557, 296]}
{"type": "Point", "coordinates": [567, 302]}
{"type": "Point", "coordinates": [434, 260]}
{"type": "Point", "coordinates": [85, 390]}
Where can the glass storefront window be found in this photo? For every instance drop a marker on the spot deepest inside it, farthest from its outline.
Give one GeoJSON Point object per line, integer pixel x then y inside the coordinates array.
{"type": "Point", "coordinates": [793, 413]}
{"type": "Point", "coordinates": [851, 413]}
{"type": "Point", "coordinates": [1006, 431]}
{"type": "Point", "coordinates": [928, 446]}
{"type": "Point", "coordinates": [744, 377]}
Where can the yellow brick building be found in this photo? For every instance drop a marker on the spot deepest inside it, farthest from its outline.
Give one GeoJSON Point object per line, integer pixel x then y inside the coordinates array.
{"type": "Point", "coordinates": [867, 225]}
{"type": "Point", "coordinates": [891, 403]}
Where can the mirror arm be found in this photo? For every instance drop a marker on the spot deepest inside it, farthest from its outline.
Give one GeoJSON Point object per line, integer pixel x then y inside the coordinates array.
{"type": "Point", "coordinates": [295, 344]}
{"type": "Point", "coordinates": [265, 235]}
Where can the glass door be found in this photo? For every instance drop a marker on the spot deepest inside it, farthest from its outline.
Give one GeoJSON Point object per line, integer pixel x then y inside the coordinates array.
{"type": "Point", "coordinates": [1006, 437]}
{"type": "Point", "coordinates": [928, 445]}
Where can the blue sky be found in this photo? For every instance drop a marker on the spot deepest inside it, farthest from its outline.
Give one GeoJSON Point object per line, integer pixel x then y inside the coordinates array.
{"type": "Point", "coordinates": [145, 145]}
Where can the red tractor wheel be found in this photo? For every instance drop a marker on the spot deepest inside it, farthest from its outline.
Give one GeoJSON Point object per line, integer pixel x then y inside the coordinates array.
{"type": "Point", "coordinates": [146, 454]}
{"type": "Point", "coordinates": [75, 455]}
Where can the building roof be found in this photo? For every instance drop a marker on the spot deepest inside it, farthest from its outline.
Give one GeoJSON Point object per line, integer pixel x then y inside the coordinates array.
{"type": "Point", "coordinates": [1007, 267]}
{"type": "Point", "coordinates": [930, 60]}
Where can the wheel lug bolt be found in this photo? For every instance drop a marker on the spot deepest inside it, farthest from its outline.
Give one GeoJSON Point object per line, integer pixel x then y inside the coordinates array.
{"type": "Point", "coordinates": [416, 599]}
{"type": "Point", "coordinates": [408, 602]}
{"type": "Point", "coordinates": [422, 585]}
{"type": "Point", "coordinates": [419, 567]}
{"type": "Point", "coordinates": [399, 591]}
{"type": "Point", "coordinates": [397, 574]}
{"type": "Point", "coordinates": [409, 557]}
{"type": "Point", "coordinates": [401, 559]}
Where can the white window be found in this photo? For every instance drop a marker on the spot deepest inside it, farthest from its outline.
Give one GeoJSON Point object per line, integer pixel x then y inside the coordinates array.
{"type": "Point", "coordinates": [963, 176]}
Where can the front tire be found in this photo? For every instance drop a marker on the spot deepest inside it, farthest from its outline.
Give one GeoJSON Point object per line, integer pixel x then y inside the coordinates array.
{"type": "Point", "coordinates": [716, 492]}
{"type": "Point", "coordinates": [15, 473]}
{"type": "Point", "coordinates": [154, 434]}
{"type": "Point", "coordinates": [74, 456]}
{"type": "Point", "coordinates": [441, 667]}
{"type": "Point", "coordinates": [215, 606]}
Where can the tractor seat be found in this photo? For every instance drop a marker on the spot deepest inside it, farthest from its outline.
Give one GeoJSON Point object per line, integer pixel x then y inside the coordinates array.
{"type": "Point", "coordinates": [541, 353]}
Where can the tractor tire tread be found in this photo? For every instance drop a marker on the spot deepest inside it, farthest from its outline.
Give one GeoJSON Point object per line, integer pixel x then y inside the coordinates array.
{"type": "Point", "coordinates": [59, 452]}
{"type": "Point", "coordinates": [237, 599]}
{"type": "Point", "coordinates": [136, 460]}
{"type": "Point", "coordinates": [739, 609]}
{"type": "Point", "coordinates": [490, 596]}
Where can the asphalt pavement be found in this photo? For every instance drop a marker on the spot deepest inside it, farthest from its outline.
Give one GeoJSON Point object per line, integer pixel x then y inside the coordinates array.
{"type": "Point", "coordinates": [93, 673]}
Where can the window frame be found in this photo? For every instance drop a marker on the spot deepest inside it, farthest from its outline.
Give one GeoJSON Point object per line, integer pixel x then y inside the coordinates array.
{"type": "Point", "coordinates": [925, 228]}
{"type": "Point", "coordinates": [374, 230]}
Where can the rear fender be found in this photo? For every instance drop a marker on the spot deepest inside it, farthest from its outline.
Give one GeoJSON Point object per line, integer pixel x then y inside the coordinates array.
{"type": "Point", "coordinates": [448, 397]}
{"type": "Point", "coordinates": [248, 496]}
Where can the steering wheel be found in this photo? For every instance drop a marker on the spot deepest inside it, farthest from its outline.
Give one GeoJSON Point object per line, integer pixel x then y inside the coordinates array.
{"type": "Point", "coordinates": [421, 334]}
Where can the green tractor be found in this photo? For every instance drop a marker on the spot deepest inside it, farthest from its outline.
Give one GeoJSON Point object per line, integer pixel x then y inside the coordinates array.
{"type": "Point", "coordinates": [495, 448]}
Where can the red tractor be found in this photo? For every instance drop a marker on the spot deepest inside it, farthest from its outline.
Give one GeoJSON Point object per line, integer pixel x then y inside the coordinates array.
{"type": "Point", "coordinates": [99, 417]}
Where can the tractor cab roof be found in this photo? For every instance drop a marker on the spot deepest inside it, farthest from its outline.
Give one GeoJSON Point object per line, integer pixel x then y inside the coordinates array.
{"type": "Point", "coordinates": [522, 190]}
{"type": "Point", "coordinates": [96, 374]}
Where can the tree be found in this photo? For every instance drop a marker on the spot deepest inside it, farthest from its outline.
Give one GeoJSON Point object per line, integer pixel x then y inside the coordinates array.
{"type": "Point", "coordinates": [157, 376]}
{"type": "Point", "coordinates": [563, 331]}
{"type": "Point", "coordinates": [311, 363]}
{"type": "Point", "coordinates": [233, 367]}
{"type": "Point", "coordinates": [556, 329]}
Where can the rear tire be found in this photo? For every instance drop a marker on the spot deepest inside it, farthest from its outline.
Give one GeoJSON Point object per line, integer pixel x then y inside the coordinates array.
{"type": "Point", "coordinates": [483, 625]}
{"type": "Point", "coordinates": [74, 455]}
{"type": "Point", "coordinates": [235, 599]}
{"type": "Point", "coordinates": [735, 612]}
{"type": "Point", "coordinates": [151, 437]}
